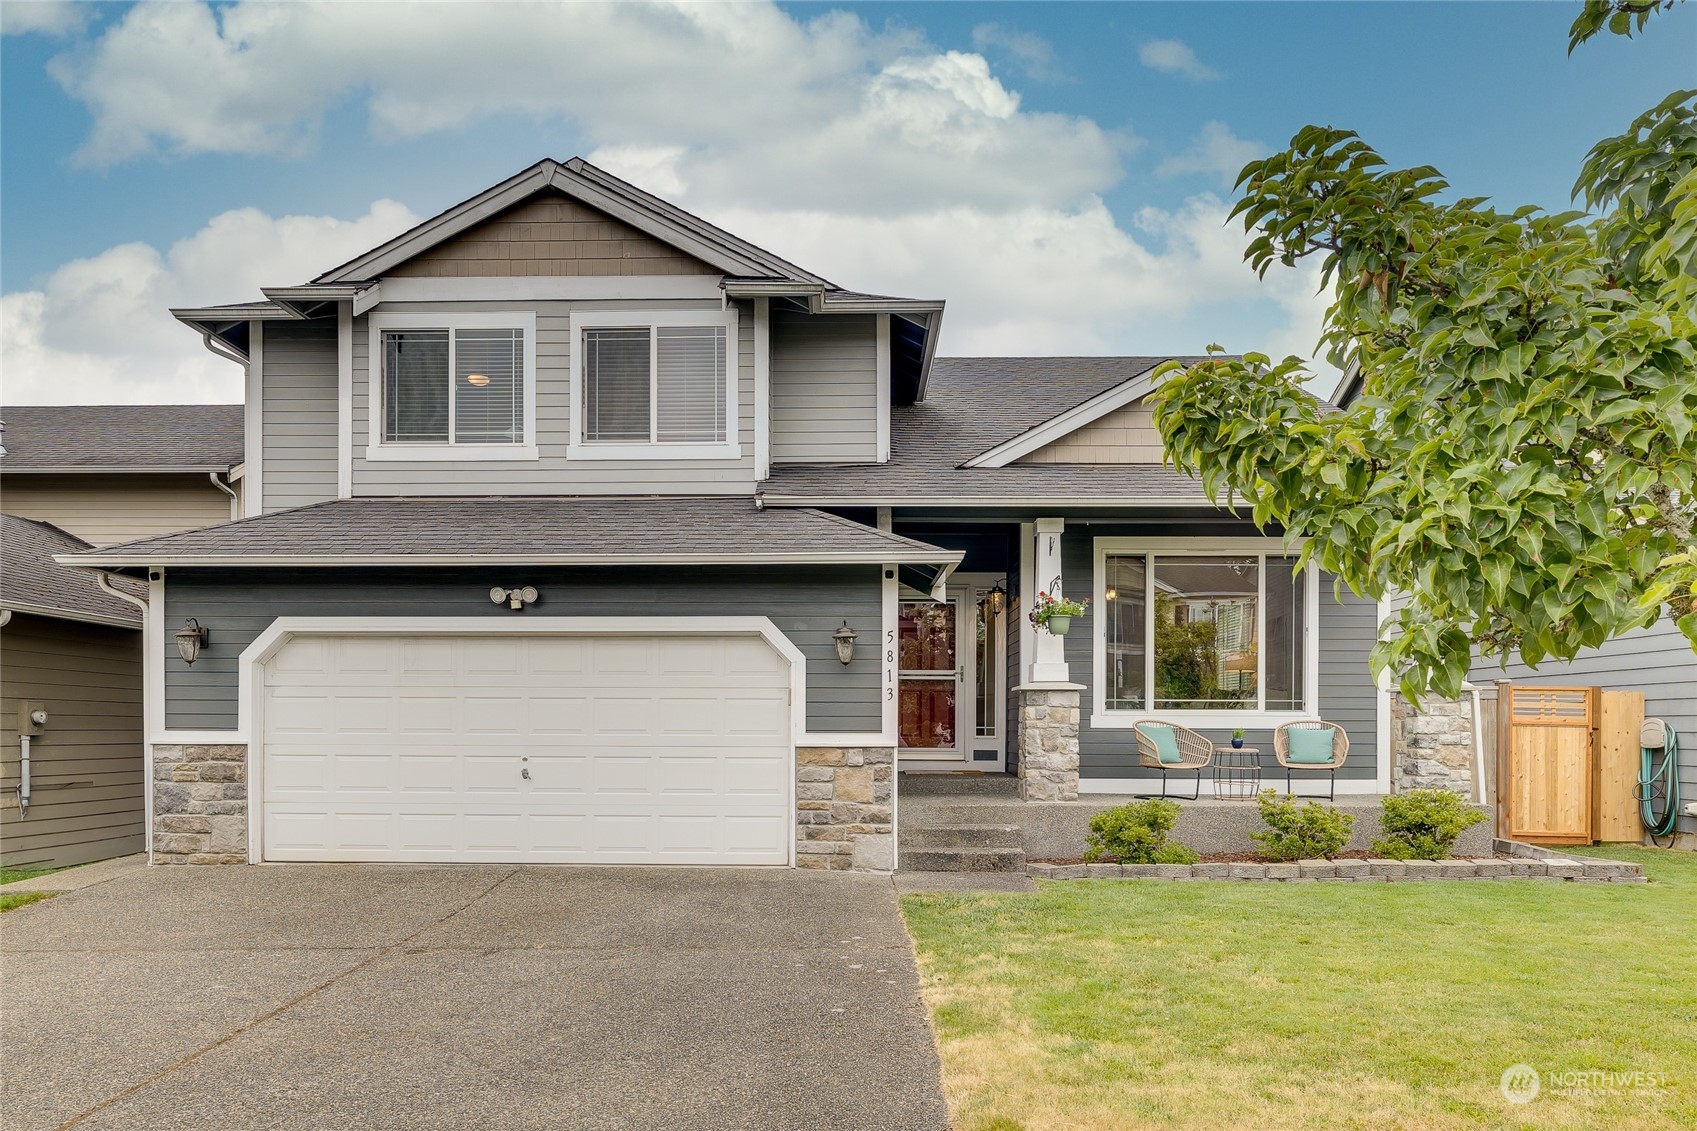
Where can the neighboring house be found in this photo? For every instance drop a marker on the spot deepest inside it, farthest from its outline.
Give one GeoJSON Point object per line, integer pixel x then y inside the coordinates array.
{"type": "Point", "coordinates": [73, 650]}
{"type": "Point", "coordinates": [114, 473]}
{"type": "Point", "coordinates": [580, 530]}
{"type": "Point", "coordinates": [90, 476]}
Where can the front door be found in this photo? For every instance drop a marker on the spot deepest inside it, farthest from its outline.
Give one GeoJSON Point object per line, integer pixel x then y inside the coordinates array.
{"type": "Point", "coordinates": [952, 670]}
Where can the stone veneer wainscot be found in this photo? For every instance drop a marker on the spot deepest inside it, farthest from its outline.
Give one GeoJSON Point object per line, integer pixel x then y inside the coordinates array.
{"type": "Point", "coordinates": [200, 804]}
{"type": "Point", "coordinates": [845, 808]}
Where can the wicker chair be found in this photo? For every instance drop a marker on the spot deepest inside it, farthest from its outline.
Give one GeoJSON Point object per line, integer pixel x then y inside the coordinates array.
{"type": "Point", "coordinates": [1195, 753]}
{"type": "Point", "coordinates": [1340, 751]}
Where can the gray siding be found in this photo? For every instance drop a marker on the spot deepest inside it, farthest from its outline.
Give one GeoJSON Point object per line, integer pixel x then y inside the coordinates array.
{"type": "Point", "coordinates": [807, 604]}
{"type": "Point", "coordinates": [824, 388]}
{"type": "Point", "coordinates": [1346, 693]}
{"type": "Point", "coordinates": [1657, 660]}
{"type": "Point", "coordinates": [86, 768]}
{"type": "Point", "coordinates": [552, 473]}
{"type": "Point", "coordinates": [299, 413]}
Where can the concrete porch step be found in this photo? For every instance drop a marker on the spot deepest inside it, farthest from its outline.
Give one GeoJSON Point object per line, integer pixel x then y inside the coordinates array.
{"type": "Point", "coordinates": [960, 859]}
{"type": "Point", "coordinates": [961, 836]}
{"type": "Point", "coordinates": [957, 785]}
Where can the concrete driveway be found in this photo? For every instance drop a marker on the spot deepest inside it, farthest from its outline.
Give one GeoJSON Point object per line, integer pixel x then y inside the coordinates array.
{"type": "Point", "coordinates": [466, 997]}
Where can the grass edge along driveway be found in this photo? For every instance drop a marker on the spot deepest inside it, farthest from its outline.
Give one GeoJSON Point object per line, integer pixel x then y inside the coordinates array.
{"type": "Point", "coordinates": [1118, 1004]}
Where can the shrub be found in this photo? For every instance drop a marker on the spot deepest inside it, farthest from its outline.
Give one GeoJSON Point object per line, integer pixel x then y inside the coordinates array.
{"type": "Point", "coordinates": [1136, 833]}
{"type": "Point", "coordinates": [1307, 832]}
{"type": "Point", "coordinates": [1423, 824]}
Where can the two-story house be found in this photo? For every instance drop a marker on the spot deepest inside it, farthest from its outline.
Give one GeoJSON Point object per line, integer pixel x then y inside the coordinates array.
{"type": "Point", "coordinates": [580, 530]}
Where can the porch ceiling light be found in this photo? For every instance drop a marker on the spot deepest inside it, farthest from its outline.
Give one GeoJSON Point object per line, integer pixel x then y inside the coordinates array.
{"type": "Point", "coordinates": [191, 638]}
{"type": "Point", "coordinates": [845, 638]}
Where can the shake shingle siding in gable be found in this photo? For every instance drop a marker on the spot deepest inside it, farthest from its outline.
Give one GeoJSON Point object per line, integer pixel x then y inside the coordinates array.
{"type": "Point", "coordinates": [300, 413]}
{"type": "Point", "coordinates": [552, 473]}
{"type": "Point", "coordinates": [824, 388]}
{"type": "Point", "coordinates": [551, 234]}
{"type": "Point", "coordinates": [806, 603]}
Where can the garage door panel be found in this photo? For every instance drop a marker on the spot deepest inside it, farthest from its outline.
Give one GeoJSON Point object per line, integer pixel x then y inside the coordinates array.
{"type": "Point", "coordinates": [638, 750]}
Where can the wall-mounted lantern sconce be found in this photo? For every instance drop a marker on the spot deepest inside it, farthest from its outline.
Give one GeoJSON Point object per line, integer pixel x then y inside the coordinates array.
{"type": "Point", "coordinates": [845, 638]}
{"type": "Point", "coordinates": [191, 638]}
{"type": "Point", "coordinates": [997, 599]}
{"type": "Point", "coordinates": [513, 598]}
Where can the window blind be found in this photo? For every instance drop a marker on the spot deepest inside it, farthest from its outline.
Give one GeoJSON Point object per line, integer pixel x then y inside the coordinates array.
{"type": "Point", "coordinates": [690, 393]}
{"type": "Point", "coordinates": [616, 385]}
{"type": "Point", "coordinates": [415, 386]}
{"type": "Point", "coordinates": [488, 386]}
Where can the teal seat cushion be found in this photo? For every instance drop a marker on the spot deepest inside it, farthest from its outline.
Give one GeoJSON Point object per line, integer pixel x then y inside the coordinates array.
{"type": "Point", "coordinates": [1309, 745]}
{"type": "Point", "coordinates": [1166, 742]}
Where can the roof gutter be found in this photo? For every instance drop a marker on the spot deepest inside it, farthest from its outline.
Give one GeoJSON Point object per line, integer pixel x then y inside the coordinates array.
{"type": "Point", "coordinates": [1025, 502]}
{"type": "Point", "coordinates": [150, 469]}
{"type": "Point", "coordinates": [71, 614]}
{"type": "Point", "coordinates": [892, 556]}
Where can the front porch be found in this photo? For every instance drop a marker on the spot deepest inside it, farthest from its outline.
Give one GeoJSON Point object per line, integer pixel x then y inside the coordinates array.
{"type": "Point", "coordinates": [977, 822]}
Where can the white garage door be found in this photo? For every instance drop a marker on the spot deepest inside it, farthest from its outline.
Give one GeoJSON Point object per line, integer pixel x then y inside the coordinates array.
{"type": "Point", "coordinates": [546, 749]}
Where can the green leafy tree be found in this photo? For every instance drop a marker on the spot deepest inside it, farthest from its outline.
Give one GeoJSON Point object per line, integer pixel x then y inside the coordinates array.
{"type": "Point", "coordinates": [1522, 461]}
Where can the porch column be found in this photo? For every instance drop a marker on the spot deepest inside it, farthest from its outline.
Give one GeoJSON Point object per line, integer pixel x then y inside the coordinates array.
{"type": "Point", "coordinates": [1049, 665]}
{"type": "Point", "coordinates": [1048, 700]}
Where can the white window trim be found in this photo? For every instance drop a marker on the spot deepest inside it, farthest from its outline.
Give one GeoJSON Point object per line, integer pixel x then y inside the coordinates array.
{"type": "Point", "coordinates": [379, 450]}
{"type": "Point", "coordinates": [1104, 719]}
{"type": "Point", "coordinates": [731, 448]}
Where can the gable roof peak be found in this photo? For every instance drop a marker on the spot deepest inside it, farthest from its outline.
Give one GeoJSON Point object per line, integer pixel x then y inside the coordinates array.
{"type": "Point", "coordinates": [590, 186]}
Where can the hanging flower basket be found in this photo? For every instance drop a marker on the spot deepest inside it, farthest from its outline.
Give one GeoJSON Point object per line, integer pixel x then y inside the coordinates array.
{"type": "Point", "coordinates": [1055, 614]}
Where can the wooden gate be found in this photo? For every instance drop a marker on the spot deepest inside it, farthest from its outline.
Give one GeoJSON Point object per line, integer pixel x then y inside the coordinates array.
{"type": "Point", "coordinates": [1550, 763]}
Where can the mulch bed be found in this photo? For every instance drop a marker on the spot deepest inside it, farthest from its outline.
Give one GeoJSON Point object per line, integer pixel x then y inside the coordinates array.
{"type": "Point", "coordinates": [1253, 858]}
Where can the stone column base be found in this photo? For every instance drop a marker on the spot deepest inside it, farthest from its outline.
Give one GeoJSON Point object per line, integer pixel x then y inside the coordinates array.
{"type": "Point", "coordinates": [1048, 741]}
{"type": "Point", "coordinates": [845, 808]}
{"type": "Point", "coordinates": [199, 804]}
{"type": "Point", "coordinates": [1432, 748]}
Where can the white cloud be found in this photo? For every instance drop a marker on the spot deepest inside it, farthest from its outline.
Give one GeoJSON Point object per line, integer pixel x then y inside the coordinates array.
{"type": "Point", "coordinates": [1174, 57]}
{"type": "Point", "coordinates": [1041, 280]}
{"type": "Point", "coordinates": [765, 104]}
{"type": "Point", "coordinates": [99, 330]}
{"type": "Point", "coordinates": [45, 17]}
{"type": "Point", "coordinates": [874, 159]}
{"type": "Point", "coordinates": [1034, 55]}
{"type": "Point", "coordinates": [1216, 152]}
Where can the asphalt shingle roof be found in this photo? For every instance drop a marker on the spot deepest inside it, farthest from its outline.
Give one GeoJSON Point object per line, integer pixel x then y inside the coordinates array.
{"type": "Point", "coordinates": [31, 581]}
{"type": "Point", "coordinates": [151, 437]}
{"type": "Point", "coordinates": [548, 528]}
{"type": "Point", "coordinates": [973, 404]}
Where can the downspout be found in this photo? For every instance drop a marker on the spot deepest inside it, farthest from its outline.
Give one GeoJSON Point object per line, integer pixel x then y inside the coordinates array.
{"type": "Point", "coordinates": [218, 347]}
{"type": "Point", "coordinates": [1478, 744]}
{"type": "Point", "coordinates": [104, 580]}
{"type": "Point", "coordinates": [23, 747]}
{"type": "Point", "coordinates": [235, 499]}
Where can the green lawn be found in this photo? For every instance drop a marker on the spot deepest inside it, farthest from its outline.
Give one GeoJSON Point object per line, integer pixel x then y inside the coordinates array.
{"type": "Point", "coordinates": [9, 900]}
{"type": "Point", "coordinates": [1144, 1004]}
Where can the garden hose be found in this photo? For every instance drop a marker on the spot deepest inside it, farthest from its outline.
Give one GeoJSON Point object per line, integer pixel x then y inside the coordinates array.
{"type": "Point", "coordinates": [1659, 786]}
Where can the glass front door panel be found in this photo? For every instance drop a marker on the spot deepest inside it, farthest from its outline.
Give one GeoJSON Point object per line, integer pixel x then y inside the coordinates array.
{"type": "Point", "coordinates": [927, 636]}
{"type": "Point", "coordinates": [927, 715]}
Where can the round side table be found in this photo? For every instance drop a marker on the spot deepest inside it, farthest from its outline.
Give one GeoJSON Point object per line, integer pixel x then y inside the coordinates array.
{"type": "Point", "coordinates": [1237, 773]}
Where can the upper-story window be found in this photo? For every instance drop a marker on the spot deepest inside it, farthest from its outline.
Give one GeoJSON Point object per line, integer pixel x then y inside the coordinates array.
{"type": "Point", "coordinates": [649, 385]}
{"type": "Point", "coordinates": [453, 386]}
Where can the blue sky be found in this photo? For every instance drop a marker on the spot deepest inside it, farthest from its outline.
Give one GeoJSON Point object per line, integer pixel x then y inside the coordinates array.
{"type": "Point", "coordinates": [1057, 171]}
